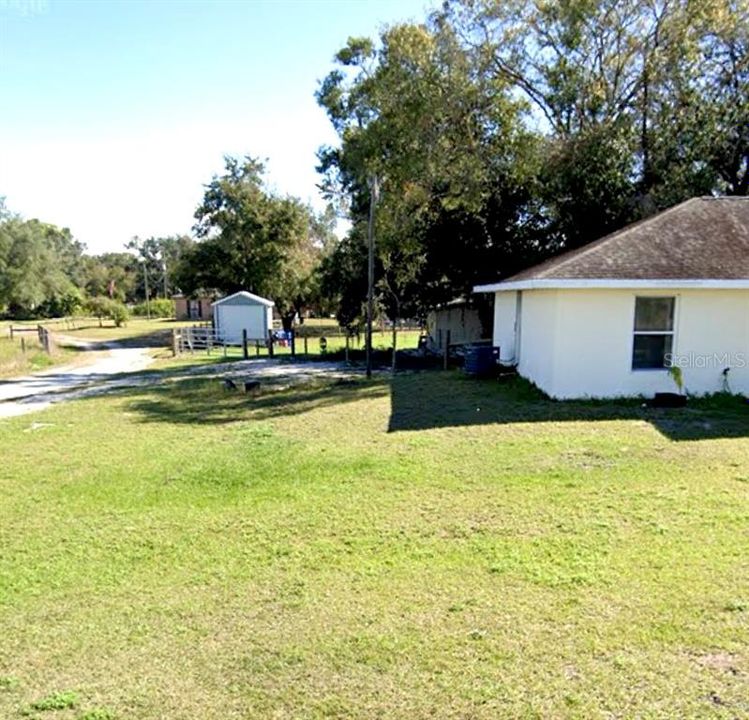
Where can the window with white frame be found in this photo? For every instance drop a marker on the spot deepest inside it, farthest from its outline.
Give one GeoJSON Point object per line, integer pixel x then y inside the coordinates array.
{"type": "Point", "coordinates": [654, 332]}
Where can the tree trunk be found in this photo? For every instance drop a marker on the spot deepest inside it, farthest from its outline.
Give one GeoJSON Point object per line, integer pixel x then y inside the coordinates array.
{"type": "Point", "coordinates": [287, 320]}
{"type": "Point", "coordinates": [644, 139]}
{"type": "Point", "coordinates": [299, 307]}
{"type": "Point", "coordinates": [395, 343]}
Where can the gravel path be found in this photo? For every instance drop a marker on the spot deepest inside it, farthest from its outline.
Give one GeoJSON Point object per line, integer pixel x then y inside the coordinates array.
{"type": "Point", "coordinates": [125, 367]}
{"type": "Point", "coordinates": [36, 392]}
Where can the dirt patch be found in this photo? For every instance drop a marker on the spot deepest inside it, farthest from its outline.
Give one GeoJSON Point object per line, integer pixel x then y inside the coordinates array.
{"type": "Point", "coordinates": [723, 661]}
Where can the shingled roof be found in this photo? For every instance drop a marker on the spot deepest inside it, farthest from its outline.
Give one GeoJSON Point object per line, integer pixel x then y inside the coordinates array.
{"type": "Point", "coordinates": [702, 239]}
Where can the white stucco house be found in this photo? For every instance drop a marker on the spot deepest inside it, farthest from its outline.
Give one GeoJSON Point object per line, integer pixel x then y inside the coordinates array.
{"type": "Point", "coordinates": [242, 311]}
{"type": "Point", "coordinates": [608, 319]}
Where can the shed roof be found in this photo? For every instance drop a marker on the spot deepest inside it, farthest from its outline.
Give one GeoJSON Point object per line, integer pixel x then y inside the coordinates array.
{"type": "Point", "coordinates": [244, 298]}
{"type": "Point", "coordinates": [703, 241]}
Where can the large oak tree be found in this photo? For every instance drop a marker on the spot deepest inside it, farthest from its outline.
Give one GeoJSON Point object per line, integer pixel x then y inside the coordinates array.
{"type": "Point", "coordinates": [252, 239]}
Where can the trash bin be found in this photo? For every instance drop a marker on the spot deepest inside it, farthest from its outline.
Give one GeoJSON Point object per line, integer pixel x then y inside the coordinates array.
{"type": "Point", "coordinates": [481, 360]}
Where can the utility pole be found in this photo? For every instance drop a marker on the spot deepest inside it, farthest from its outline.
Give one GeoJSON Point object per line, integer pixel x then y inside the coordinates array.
{"type": "Point", "coordinates": [374, 190]}
{"type": "Point", "coordinates": [145, 281]}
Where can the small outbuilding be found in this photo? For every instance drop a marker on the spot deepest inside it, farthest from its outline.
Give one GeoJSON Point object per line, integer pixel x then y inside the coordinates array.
{"type": "Point", "coordinates": [458, 320]}
{"type": "Point", "coordinates": [242, 311]}
{"type": "Point", "coordinates": [193, 307]}
{"type": "Point", "coordinates": [612, 318]}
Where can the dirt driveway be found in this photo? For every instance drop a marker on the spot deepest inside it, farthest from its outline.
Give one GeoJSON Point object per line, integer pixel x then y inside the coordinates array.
{"type": "Point", "coordinates": [126, 367]}
{"type": "Point", "coordinates": [36, 392]}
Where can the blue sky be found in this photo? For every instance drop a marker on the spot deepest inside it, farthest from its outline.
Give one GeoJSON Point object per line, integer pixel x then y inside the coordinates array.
{"type": "Point", "coordinates": [114, 114]}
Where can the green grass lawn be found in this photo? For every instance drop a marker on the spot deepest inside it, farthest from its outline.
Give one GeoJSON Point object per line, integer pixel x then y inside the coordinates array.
{"type": "Point", "coordinates": [381, 339]}
{"type": "Point", "coordinates": [24, 354]}
{"type": "Point", "coordinates": [407, 339]}
{"type": "Point", "coordinates": [15, 361]}
{"type": "Point", "coordinates": [135, 327]}
{"type": "Point", "coordinates": [427, 547]}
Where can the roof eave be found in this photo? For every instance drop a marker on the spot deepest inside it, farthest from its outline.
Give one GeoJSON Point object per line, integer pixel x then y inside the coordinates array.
{"type": "Point", "coordinates": [245, 293]}
{"type": "Point", "coordinates": [609, 283]}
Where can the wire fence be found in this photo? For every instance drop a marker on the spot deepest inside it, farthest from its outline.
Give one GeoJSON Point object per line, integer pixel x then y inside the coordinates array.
{"type": "Point", "coordinates": [304, 340]}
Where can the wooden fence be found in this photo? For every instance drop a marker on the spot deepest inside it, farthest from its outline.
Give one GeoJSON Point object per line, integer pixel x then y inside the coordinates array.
{"type": "Point", "coordinates": [205, 337]}
{"type": "Point", "coordinates": [45, 337]}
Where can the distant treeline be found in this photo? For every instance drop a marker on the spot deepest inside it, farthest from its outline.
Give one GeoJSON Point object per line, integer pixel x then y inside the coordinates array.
{"type": "Point", "coordinates": [44, 271]}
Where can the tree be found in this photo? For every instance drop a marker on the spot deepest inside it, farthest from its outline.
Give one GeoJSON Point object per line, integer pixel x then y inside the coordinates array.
{"type": "Point", "coordinates": [162, 257]}
{"type": "Point", "coordinates": [34, 258]}
{"type": "Point", "coordinates": [45, 273]}
{"type": "Point", "coordinates": [343, 278]}
{"type": "Point", "coordinates": [325, 242]}
{"type": "Point", "coordinates": [252, 240]}
{"type": "Point", "coordinates": [640, 103]}
{"type": "Point", "coordinates": [104, 307]}
{"type": "Point", "coordinates": [113, 274]}
{"type": "Point", "coordinates": [449, 150]}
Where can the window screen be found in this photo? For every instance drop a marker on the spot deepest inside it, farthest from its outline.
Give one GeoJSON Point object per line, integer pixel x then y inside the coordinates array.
{"type": "Point", "coordinates": [654, 332]}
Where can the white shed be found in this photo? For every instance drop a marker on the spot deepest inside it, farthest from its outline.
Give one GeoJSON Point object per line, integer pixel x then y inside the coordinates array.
{"type": "Point", "coordinates": [242, 311]}
{"type": "Point", "coordinates": [611, 318]}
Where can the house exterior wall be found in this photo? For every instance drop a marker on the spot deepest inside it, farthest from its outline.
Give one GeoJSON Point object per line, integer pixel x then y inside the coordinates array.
{"type": "Point", "coordinates": [538, 338]}
{"type": "Point", "coordinates": [180, 307]}
{"type": "Point", "coordinates": [206, 308]}
{"type": "Point", "coordinates": [182, 304]}
{"type": "Point", "coordinates": [578, 343]}
{"type": "Point", "coordinates": [231, 319]}
{"type": "Point", "coordinates": [505, 314]}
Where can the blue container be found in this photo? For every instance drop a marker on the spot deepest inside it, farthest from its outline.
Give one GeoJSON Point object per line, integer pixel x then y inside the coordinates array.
{"type": "Point", "coordinates": [481, 359]}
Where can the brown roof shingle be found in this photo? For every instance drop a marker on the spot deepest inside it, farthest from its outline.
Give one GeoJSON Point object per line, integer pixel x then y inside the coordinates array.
{"type": "Point", "coordinates": [703, 238]}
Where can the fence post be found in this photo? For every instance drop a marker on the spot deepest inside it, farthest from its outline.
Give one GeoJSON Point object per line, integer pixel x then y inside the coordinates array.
{"type": "Point", "coordinates": [43, 338]}
{"type": "Point", "coordinates": [257, 348]}
{"type": "Point", "coordinates": [23, 345]}
{"type": "Point", "coordinates": [446, 358]}
{"type": "Point", "coordinates": [305, 344]}
{"type": "Point", "coordinates": [245, 354]}
{"type": "Point", "coordinates": [270, 343]}
{"type": "Point", "coordinates": [175, 346]}
{"type": "Point", "coordinates": [11, 332]}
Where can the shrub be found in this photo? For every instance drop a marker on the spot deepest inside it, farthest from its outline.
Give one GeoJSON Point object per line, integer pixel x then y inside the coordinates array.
{"type": "Point", "coordinates": [97, 306]}
{"type": "Point", "coordinates": [119, 313]}
{"type": "Point", "coordinates": [104, 307]}
{"type": "Point", "coordinates": [160, 308]}
{"type": "Point", "coordinates": [62, 305]}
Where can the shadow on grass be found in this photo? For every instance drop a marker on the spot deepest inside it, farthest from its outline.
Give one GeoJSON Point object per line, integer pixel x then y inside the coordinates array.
{"type": "Point", "coordinates": [205, 401]}
{"type": "Point", "coordinates": [425, 400]}
{"type": "Point", "coordinates": [431, 400]}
